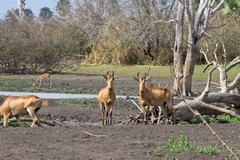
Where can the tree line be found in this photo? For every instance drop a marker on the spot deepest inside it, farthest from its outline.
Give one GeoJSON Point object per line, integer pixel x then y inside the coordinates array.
{"type": "Point", "coordinates": [102, 32]}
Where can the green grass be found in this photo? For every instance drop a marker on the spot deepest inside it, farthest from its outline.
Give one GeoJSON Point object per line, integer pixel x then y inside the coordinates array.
{"type": "Point", "coordinates": [208, 118]}
{"type": "Point", "coordinates": [230, 118]}
{"type": "Point", "coordinates": [211, 150]}
{"type": "Point", "coordinates": [13, 123]}
{"type": "Point", "coordinates": [211, 119]}
{"type": "Point", "coordinates": [142, 136]}
{"type": "Point", "coordinates": [180, 144]}
{"type": "Point", "coordinates": [156, 71]}
{"type": "Point", "coordinates": [9, 83]}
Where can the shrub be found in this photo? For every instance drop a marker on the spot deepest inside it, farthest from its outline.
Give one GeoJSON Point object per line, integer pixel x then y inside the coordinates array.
{"type": "Point", "coordinates": [208, 149]}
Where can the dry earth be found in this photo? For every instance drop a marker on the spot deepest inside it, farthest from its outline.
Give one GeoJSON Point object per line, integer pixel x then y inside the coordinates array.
{"type": "Point", "coordinates": [68, 139]}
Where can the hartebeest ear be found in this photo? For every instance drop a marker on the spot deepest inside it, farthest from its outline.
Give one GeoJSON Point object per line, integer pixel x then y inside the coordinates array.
{"type": "Point", "coordinates": [147, 78]}
{"type": "Point", "coordinates": [136, 79]}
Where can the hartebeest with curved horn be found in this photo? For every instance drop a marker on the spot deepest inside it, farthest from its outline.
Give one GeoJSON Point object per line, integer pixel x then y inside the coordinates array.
{"type": "Point", "coordinates": [107, 98]}
{"type": "Point", "coordinates": [158, 97]}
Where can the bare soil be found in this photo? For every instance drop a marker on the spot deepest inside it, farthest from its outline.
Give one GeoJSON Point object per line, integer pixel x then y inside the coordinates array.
{"type": "Point", "coordinates": [78, 133]}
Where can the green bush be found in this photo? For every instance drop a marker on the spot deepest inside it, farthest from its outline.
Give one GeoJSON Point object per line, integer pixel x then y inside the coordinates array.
{"type": "Point", "coordinates": [208, 149]}
{"type": "Point", "coordinates": [230, 118]}
{"type": "Point", "coordinates": [179, 144]}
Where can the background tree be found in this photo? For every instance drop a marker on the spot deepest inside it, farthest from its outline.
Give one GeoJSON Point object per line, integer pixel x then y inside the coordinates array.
{"type": "Point", "coordinates": [199, 15]}
{"type": "Point", "coordinates": [27, 12]}
{"type": "Point", "coordinates": [63, 7]}
{"type": "Point", "coordinates": [45, 14]}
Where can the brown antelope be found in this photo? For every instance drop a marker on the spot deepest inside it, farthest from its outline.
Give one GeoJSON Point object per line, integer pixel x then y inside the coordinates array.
{"type": "Point", "coordinates": [107, 98]}
{"type": "Point", "coordinates": [14, 106]}
{"type": "Point", "coordinates": [41, 77]}
{"type": "Point", "coordinates": [158, 97]}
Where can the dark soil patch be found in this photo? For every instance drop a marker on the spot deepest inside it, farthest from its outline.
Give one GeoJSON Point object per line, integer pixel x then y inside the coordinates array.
{"type": "Point", "coordinates": [67, 140]}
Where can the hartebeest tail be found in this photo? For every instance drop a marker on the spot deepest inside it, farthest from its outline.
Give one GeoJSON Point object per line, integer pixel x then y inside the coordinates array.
{"type": "Point", "coordinates": [158, 97]}
{"type": "Point", "coordinates": [106, 98]}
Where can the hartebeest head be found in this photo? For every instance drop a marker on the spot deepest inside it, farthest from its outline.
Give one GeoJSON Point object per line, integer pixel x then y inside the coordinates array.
{"type": "Point", "coordinates": [109, 77]}
{"type": "Point", "coordinates": [141, 80]}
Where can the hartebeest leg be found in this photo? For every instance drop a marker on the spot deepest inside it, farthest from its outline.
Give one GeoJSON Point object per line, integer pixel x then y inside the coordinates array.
{"type": "Point", "coordinates": [107, 114]}
{"type": "Point", "coordinates": [147, 113]}
{"type": "Point", "coordinates": [165, 113]}
{"type": "Point", "coordinates": [5, 120]}
{"type": "Point", "coordinates": [103, 112]}
{"type": "Point", "coordinates": [38, 119]}
{"type": "Point", "coordinates": [40, 83]}
{"type": "Point", "coordinates": [143, 113]}
{"type": "Point", "coordinates": [50, 82]}
{"type": "Point", "coordinates": [18, 119]}
{"type": "Point", "coordinates": [31, 112]}
{"type": "Point", "coordinates": [110, 114]}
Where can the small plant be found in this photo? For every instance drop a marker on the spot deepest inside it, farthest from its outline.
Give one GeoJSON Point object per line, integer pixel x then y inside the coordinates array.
{"type": "Point", "coordinates": [184, 122]}
{"type": "Point", "coordinates": [230, 118]}
{"type": "Point", "coordinates": [179, 144]}
{"type": "Point", "coordinates": [157, 150]}
{"type": "Point", "coordinates": [142, 136]}
{"type": "Point", "coordinates": [208, 118]}
{"type": "Point", "coordinates": [15, 124]}
{"type": "Point", "coordinates": [169, 157]}
{"type": "Point", "coordinates": [174, 144]}
{"type": "Point", "coordinates": [209, 149]}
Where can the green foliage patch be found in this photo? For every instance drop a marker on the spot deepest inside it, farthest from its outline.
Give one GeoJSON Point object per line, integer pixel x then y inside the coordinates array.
{"type": "Point", "coordinates": [230, 118]}
{"type": "Point", "coordinates": [179, 144]}
{"type": "Point", "coordinates": [211, 150]}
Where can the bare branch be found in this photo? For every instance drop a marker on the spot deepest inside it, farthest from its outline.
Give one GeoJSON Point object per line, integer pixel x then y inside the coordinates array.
{"type": "Point", "coordinates": [207, 88]}
{"type": "Point", "coordinates": [139, 108]}
{"type": "Point", "coordinates": [215, 54]}
{"type": "Point", "coordinates": [233, 63]}
{"type": "Point", "coordinates": [224, 54]}
{"type": "Point", "coordinates": [169, 21]}
{"type": "Point", "coordinates": [218, 7]}
{"type": "Point", "coordinates": [235, 83]}
{"type": "Point", "coordinates": [94, 135]}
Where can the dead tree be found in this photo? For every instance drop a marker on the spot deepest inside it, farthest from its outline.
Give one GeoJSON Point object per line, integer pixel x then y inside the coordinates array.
{"type": "Point", "coordinates": [215, 102]}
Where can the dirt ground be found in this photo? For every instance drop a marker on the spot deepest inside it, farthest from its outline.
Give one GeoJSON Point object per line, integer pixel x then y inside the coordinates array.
{"type": "Point", "coordinates": [78, 133]}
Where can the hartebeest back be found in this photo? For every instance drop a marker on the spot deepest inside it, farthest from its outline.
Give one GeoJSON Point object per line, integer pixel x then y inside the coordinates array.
{"type": "Point", "coordinates": [107, 98]}
{"type": "Point", "coordinates": [158, 97]}
{"type": "Point", "coordinates": [14, 106]}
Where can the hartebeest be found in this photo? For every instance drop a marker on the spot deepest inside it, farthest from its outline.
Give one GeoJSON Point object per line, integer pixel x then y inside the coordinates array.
{"type": "Point", "coordinates": [158, 97]}
{"type": "Point", "coordinates": [41, 77]}
{"type": "Point", "coordinates": [107, 98]}
{"type": "Point", "coordinates": [14, 106]}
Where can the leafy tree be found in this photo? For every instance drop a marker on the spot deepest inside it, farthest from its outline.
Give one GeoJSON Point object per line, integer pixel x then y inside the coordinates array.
{"type": "Point", "coordinates": [27, 12]}
{"type": "Point", "coordinates": [63, 7]}
{"type": "Point", "coordinates": [45, 13]}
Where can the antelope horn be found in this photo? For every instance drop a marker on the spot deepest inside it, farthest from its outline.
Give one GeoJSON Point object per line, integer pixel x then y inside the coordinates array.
{"type": "Point", "coordinates": [145, 75]}
{"type": "Point", "coordinates": [107, 72]}
{"type": "Point", "coordinates": [112, 73]}
{"type": "Point", "coordinates": [138, 74]}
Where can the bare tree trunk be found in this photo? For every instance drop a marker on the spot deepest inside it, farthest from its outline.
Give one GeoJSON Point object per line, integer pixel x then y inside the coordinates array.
{"type": "Point", "coordinates": [189, 68]}
{"type": "Point", "coordinates": [198, 17]}
{"type": "Point", "coordinates": [178, 49]}
{"type": "Point", "coordinates": [21, 7]}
